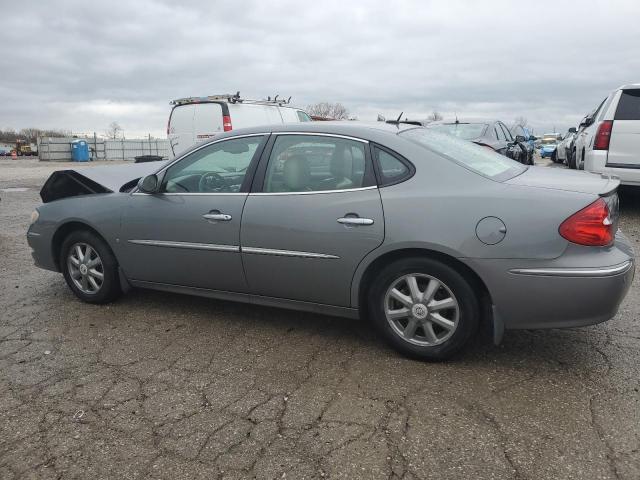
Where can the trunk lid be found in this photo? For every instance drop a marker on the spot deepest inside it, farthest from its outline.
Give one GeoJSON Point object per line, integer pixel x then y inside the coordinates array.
{"type": "Point", "coordinates": [567, 180]}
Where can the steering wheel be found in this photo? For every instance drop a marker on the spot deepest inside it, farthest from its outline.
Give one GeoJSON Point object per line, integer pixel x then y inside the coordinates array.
{"type": "Point", "coordinates": [210, 181]}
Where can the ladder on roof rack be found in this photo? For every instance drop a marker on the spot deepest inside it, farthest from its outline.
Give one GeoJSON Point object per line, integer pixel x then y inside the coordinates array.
{"type": "Point", "coordinates": [231, 99]}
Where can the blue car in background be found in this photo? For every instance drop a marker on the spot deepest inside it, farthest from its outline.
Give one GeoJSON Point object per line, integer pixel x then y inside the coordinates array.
{"type": "Point", "coordinates": [549, 144]}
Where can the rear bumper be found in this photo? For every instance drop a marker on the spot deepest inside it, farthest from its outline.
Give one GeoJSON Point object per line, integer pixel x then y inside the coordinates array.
{"type": "Point", "coordinates": [596, 161]}
{"type": "Point", "coordinates": [562, 292]}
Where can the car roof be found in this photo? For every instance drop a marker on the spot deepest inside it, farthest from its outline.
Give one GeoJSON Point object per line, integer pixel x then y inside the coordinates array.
{"type": "Point", "coordinates": [358, 129]}
{"type": "Point", "coordinates": [629, 86]}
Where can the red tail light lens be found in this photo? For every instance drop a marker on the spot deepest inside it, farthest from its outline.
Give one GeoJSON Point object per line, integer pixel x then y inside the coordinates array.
{"type": "Point", "coordinates": [603, 136]}
{"type": "Point", "coordinates": [590, 226]}
{"type": "Point", "coordinates": [226, 123]}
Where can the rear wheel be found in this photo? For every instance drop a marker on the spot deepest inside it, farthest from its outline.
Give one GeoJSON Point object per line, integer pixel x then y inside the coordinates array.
{"type": "Point", "coordinates": [89, 267]}
{"type": "Point", "coordinates": [423, 308]}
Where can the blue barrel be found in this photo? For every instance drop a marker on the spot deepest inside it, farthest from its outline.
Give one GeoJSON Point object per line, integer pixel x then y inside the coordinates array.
{"type": "Point", "coordinates": [79, 151]}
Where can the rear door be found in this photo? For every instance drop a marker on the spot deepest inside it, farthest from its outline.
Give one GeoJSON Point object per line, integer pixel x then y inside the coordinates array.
{"type": "Point", "coordinates": [624, 146]}
{"type": "Point", "coordinates": [180, 132]}
{"type": "Point", "coordinates": [207, 121]}
{"type": "Point", "coordinates": [313, 214]}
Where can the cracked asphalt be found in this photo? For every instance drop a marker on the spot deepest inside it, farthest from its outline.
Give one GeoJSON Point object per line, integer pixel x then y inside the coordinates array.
{"type": "Point", "coordinates": [158, 385]}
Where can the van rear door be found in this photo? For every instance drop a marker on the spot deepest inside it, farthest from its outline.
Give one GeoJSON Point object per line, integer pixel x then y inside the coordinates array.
{"type": "Point", "coordinates": [207, 121]}
{"type": "Point", "coordinates": [624, 146]}
{"type": "Point", "coordinates": [180, 132]}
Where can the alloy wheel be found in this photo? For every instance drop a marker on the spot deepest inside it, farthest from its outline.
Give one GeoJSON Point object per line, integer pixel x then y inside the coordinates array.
{"type": "Point", "coordinates": [421, 309]}
{"type": "Point", "coordinates": [85, 268]}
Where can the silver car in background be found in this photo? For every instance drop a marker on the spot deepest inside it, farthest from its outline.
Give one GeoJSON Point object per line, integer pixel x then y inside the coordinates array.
{"type": "Point", "coordinates": [422, 234]}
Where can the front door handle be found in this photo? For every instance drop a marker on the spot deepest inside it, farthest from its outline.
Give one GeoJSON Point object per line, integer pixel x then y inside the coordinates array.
{"type": "Point", "coordinates": [217, 217]}
{"type": "Point", "coordinates": [355, 221]}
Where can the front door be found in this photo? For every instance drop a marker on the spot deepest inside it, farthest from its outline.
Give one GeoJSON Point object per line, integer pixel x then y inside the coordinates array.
{"type": "Point", "coordinates": [188, 233]}
{"type": "Point", "coordinates": [316, 214]}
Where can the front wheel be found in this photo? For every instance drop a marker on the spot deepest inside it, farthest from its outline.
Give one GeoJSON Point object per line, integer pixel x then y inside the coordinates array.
{"type": "Point", "coordinates": [90, 268]}
{"type": "Point", "coordinates": [423, 308]}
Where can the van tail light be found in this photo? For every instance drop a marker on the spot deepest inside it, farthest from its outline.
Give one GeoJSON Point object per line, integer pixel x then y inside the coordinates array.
{"type": "Point", "coordinates": [603, 136]}
{"type": "Point", "coordinates": [591, 226]}
{"type": "Point", "coordinates": [226, 123]}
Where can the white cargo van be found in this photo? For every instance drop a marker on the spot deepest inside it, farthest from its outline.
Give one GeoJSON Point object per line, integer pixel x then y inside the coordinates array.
{"type": "Point", "coordinates": [615, 145]}
{"type": "Point", "coordinates": [196, 119]}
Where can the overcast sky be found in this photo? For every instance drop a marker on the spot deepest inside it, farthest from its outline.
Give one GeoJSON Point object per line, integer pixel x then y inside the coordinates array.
{"type": "Point", "coordinates": [80, 65]}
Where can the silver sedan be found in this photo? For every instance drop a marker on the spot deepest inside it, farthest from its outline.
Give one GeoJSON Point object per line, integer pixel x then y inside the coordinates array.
{"type": "Point", "coordinates": [425, 235]}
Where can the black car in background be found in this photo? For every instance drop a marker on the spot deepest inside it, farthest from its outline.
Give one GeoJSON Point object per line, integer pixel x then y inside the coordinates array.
{"type": "Point", "coordinates": [525, 141]}
{"type": "Point", "coordinates": [492, 134]}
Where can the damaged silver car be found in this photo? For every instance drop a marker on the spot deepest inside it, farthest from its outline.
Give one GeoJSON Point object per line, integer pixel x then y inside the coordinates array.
{"type": "Point", "coordinates": [423, 234]}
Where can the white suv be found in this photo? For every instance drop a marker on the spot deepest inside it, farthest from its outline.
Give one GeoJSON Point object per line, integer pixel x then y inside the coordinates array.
{"type": "Point", "coordinates": [196, 119]}
{"type": "Point", "coordinates": [614, 145]}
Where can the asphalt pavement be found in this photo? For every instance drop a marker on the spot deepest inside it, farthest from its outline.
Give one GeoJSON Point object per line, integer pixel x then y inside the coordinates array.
{"type": "Point", "coordinates": [159, 385]}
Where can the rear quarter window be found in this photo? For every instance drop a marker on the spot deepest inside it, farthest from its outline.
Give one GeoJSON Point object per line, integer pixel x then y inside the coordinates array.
{"type": "Point", "coordinates": [629, 105]}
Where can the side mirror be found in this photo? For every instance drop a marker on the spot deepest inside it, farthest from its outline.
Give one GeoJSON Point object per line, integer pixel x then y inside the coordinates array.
{"type": "Point", "coordinates": [533, 138]}
{"type": "Point", "coordinates": [520, 139]}
{"type": "Point", "coordinates": [572, 130]}
{"type": "Point", "coordinates": [148, 184]}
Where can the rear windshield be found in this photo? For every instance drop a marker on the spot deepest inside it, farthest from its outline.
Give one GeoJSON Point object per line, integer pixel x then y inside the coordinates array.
{"type": "Point", "coordinates": [478, 159]}
{"type": "Point", "coordinates": [461, 130]}
{"type": "Point", "coordinates": [629, 105]}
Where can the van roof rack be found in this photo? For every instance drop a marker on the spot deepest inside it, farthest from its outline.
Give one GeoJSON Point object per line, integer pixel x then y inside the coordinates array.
{"type": "Point", "coordinates": [232, 99]}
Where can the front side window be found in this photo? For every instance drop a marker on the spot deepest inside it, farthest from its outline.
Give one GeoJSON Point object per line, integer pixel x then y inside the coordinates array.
{"type": "Point", "coordinates": [499, 132]}
{"type": "Point", "coordinates": [218, 168]}
{"type": "Point", "coordinates": [467, 154]}
{"type": "Point", "coordinates": [313, 163]}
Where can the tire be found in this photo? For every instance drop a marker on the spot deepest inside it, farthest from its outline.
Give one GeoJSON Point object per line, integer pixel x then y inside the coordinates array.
{"type": "Point", "coordinates": [79, 272]}
{"type": "Point", "coordinates": [554, 157]}
{"type": "Point", "coordinates": [571, 162]}
{"type": "Point", "coordinates": [425, 343]}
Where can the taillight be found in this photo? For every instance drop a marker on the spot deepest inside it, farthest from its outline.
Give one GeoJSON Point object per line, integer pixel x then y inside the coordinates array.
{"type": "Point", "coordinates": [603, 136]}
{"type": "Point", "coordinates": [590, 226]}
{"type": "Point", "coordinates": [226, 123]}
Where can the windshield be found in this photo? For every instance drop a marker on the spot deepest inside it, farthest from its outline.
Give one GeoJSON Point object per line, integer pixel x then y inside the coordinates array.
{"type": "Point", "coordinates": [466, 131]}
{"type": "Point", "coordinates": [481, 160]}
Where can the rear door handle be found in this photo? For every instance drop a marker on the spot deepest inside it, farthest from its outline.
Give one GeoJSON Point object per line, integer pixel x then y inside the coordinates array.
{"type": "Point", "coordinates": [355, 221]}
{"type": "Point", "coordinates": [217, 217]}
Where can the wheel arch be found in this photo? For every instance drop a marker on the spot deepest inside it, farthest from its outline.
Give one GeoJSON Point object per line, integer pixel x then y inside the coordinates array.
{"type": "Point", "coordinates": [63, 232]}
{"type": "Point", "coordinates": [363, 281]}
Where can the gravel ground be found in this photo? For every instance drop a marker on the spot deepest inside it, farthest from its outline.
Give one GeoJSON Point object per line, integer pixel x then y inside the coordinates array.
{"type": "Point", "coordinates": [166, 386]}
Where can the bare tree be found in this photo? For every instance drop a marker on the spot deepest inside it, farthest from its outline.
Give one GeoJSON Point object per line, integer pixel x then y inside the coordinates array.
{"type": "Point", "coordinates": [435, 116]}
{"type": "Point", "coordinates": [113, 131]}
{"type": "Point", "coordinates": [335, 111]}
{"type": "Point", "coordinates": [520, 121]}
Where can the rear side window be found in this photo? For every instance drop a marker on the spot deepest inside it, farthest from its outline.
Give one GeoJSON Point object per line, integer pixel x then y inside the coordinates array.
{"type": "Point", "coordinates": [629, 105]}
{"type": "Point", "coordinates": [391, 169]}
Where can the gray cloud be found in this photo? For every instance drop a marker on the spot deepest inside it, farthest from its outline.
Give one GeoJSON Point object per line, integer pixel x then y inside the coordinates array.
{"type": "Point", "coordinates": [81, 65]}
